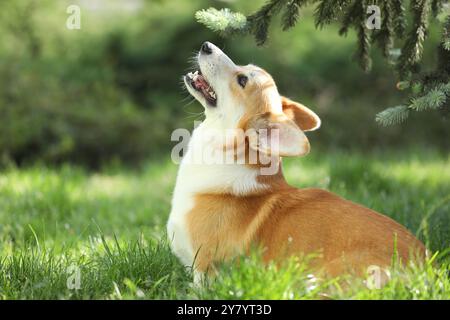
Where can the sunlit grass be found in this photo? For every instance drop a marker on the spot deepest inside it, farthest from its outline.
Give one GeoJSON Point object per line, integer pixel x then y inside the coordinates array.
{"type": "Point", "coordinates": [111, 224]}
{"type": "Point", "coordinates": [293, 280]}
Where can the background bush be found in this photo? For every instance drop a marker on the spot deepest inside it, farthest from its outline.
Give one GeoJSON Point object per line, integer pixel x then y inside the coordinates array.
{"type": "Point", "coordinates": [112, 89]}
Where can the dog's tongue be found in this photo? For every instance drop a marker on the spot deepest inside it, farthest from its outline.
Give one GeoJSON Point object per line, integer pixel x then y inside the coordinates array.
{"type": "Point", "coordinates": [200, 82]}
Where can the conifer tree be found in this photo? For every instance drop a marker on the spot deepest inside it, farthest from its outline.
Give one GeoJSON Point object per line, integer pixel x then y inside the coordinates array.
{"type": "Point", "coordinates": [402, 22]}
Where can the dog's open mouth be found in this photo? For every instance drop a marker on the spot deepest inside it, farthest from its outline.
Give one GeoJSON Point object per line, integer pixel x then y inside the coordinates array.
{"type": "Point", "coordinates": [199, 83]}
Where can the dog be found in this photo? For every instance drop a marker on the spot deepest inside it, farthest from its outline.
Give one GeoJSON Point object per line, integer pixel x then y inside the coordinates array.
{"type": "Point", "coordinates": [220, 210]}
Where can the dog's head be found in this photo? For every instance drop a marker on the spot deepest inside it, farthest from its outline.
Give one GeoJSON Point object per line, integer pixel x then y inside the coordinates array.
{"type": "Point", "coordinates": [246, 97]}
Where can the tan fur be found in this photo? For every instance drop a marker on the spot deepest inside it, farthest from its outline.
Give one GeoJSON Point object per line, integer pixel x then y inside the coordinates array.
{"type": "Point", "coordinates": [299, 114]}
{"type": "Point", "coordinates": [252, 96]}
{"type": "Point", "coordinates": [287, 221]}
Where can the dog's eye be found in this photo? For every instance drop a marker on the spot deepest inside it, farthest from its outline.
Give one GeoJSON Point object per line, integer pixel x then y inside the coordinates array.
{"type": "Point", "coordinates": [242, 80]}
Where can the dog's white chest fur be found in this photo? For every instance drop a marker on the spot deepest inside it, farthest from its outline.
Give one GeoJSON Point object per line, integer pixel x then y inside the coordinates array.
{"type": "Point", "coordinates": [195, 178]}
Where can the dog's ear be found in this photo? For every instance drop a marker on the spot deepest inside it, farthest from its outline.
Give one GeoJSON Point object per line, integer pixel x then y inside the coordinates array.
{"type": "Point", "coordinates": [276, 135]}
{"type": "Point", "coordinates": [306, 119]}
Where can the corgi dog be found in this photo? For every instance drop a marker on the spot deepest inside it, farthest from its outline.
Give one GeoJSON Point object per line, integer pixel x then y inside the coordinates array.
{"type": "Point", "coordinates": [221, 210]}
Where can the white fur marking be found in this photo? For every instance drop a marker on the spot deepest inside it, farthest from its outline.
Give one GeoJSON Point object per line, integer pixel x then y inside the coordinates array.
{"type": "Point", "coordinates": [195, 178]}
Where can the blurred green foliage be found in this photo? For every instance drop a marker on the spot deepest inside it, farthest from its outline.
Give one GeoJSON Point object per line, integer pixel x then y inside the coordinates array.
{"type": "Point", "coordinates": [112, 90]}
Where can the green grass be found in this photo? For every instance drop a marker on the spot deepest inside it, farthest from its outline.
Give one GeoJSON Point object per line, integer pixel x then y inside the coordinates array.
{"type": "Point", "coordinates": [110, 225]}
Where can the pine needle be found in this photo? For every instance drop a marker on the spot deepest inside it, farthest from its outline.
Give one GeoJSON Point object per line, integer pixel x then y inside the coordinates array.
{"type": "Point", "coordinates": [392, 116]}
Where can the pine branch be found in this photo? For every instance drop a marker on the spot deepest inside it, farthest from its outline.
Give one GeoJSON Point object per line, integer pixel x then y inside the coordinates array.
{"type": "Point", "coordinates": [327, 11]}
{"type": "Point", "coordinates": [446, 34]}
{"type": "Point", "coordinates": [259, 21]}
{"type": "Point", "coordinates": [436, 6]}
{"type": "Point", "coordinates": [445, 87]}
{"type": "Point", "coordinates": [385, 36]}
{"type": "Point", "coordinates": [434, 99]}
{"type": "Point", "coordinates": [392, 116]}
{"type": "Point", "coordinates": [413, 48]}
{"type": "Point", "coordinates": [292, 13]}
{"type": "Point", "coordinates": [362, 53]}
{"type": "Point", "coordinates": [349, 17]}
{"type": "Point", "coordinates": [223, 21]}
{"type": "Point", "coordinates": [398, 12]}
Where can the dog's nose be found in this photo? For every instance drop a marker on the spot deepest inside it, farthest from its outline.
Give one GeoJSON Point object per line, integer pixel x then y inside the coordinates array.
{"type": "Point", "coordinates": [206, 48]}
